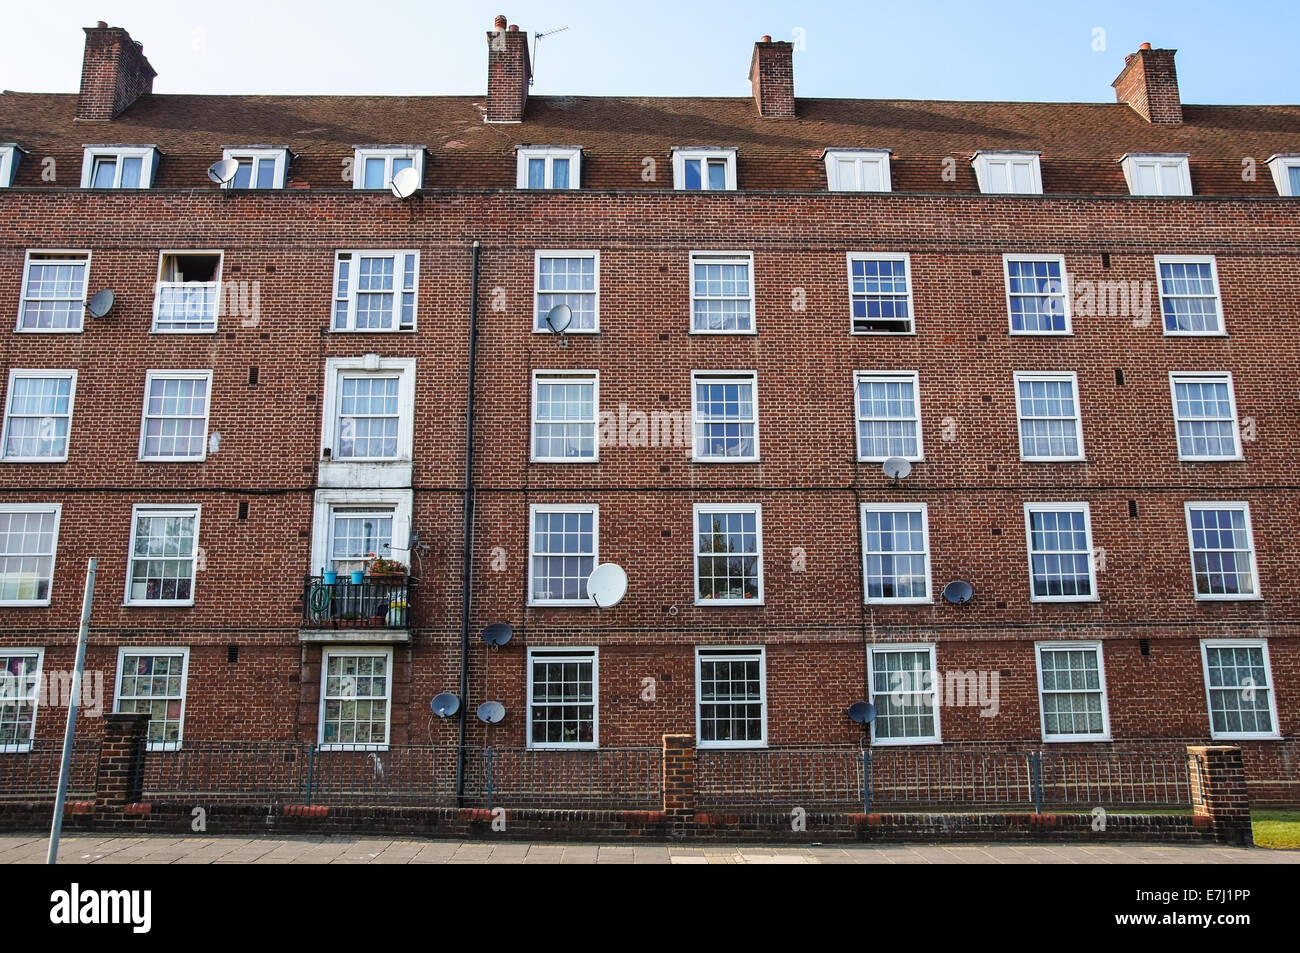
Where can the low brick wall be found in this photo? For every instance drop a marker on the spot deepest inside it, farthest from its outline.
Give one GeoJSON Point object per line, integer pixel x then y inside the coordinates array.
{"type": "Point", "coordinates": [546, 825]}
{"type": "Point", "coordinates": [1220, 812]}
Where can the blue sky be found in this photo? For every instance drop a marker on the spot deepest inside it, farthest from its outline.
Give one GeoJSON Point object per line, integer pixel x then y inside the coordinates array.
{"type": "Point", "coordinates": [932, 49]}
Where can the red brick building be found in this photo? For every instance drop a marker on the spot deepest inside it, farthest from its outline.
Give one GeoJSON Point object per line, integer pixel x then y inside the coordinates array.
{"type": "Point", "coordinates": [1070, 319]}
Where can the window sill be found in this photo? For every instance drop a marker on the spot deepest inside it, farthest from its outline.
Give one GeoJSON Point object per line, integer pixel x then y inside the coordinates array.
{"type": "Point", "coordinates": [1062, 600]}
{"type": "Point", "coordinates": [725, 460]}
{"type": "Point", "coordinates": [900, 742]}
{"type": "Point", "coordinates": [158, 605]}
{"type": "Point", "coordinates": [48, 330]}
{"type": "Point", "coordinates": [1246, 737]}
{"type": "Point", "coordinates": [24, 604]}
{"type": "Point", "coordinates": [211, 330]}
{"type": "Point", "coordinates": [576, 460]}
{"type": "Point", "coordinates": [1195, 334]}
{"type": "Point", "coordinates": [734, 334]}
{"type": "Point", "coordinates": [358, 746]}
{"type": "Point", "coordinates": [883, 334]}
{"type": "Point", "coordinates": [33, 459]}
{"type": "Point", "coordinates": [372, 330]}
{"type": "Point", "coordinates": [1212, 598]}
{"type": "Point", "coordinates": [201, 459]}
{"type": "Point", "coordinates": [567, 331]}
{"type": "Point", "coordinates": [574, 746]}
{"type": "Point", "coordinates": [1040, 334]}
{"type": "Point", "coordinates": [1053, 459]}
{"type": "Point", "coordinates": [1075, 739]}
{"type": "Point", "coordinates": [729, 745]}
{"type": "Point", "coordinates": [563, 604]}
{"type": "Point", "coordinates": [897, 602]}
{"type": "Point", "coordinates": [722, 603]}
{"type": "Point", "coordinates": [1237, 459]}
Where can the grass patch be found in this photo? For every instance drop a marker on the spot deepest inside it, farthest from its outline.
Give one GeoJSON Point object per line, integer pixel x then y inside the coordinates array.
{"type": "Point", "coordinates": [1276, 828]}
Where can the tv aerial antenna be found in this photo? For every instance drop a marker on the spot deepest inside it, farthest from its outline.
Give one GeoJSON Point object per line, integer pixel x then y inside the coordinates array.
{"type": "Point", "coordinates": [537, 36]}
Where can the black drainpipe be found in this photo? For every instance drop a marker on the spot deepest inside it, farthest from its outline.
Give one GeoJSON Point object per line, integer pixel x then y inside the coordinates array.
{"type": "Point", "coordinates": [467, 557]}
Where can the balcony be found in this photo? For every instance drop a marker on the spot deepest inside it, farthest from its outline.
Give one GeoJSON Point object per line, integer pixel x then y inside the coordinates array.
{"type": "Point", "coordinates": [187, 307]}
{"type": "Point", "coordinates": [378, 609]}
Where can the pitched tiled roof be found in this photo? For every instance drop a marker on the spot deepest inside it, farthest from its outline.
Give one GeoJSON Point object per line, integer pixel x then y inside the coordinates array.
{"type": "Point", "coordinates": [1080, 142]}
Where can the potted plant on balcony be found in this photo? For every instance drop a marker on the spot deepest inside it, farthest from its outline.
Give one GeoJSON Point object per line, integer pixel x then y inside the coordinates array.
{"type": "Point", "coordinates": [386, 570]}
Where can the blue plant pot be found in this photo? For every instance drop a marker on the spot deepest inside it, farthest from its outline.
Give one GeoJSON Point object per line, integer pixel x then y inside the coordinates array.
{"type": "Point", "coordinates": [358, 577]}
{"type": "Point", "coordinates": [330, 577]}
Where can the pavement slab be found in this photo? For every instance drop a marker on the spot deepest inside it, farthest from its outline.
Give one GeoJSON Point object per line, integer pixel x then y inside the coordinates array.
{"type": "Point", "coordinates": [345, 849]}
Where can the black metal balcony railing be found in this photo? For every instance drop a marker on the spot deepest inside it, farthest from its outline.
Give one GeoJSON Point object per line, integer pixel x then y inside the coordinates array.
{"type": "Point", "coordinates": [375, 603]}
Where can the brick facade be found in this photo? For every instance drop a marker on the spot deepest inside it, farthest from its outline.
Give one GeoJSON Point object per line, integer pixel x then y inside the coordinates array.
{"type": "Point", "coordinates": [814, 625]}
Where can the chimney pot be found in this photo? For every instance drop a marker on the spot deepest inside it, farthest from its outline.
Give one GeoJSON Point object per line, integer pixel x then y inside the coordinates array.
{"type": "Point", "coordinates": [1148, 83]}
{"type": "Point", "coordinates": [771, 75]}
{"type": "Point", "coordinates": [514, 28]}
{"type": "Point", "coordinates": [766, 39]}
{"type": "Point", "coordinates": [114, 73]}
{"type": "Point", "coordinates": [500, 21]}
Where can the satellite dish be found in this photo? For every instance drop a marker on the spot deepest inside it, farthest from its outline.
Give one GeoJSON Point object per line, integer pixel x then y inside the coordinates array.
{"type": "Point", "coordinates": [607, 585]}
{"type": "Point", "coordinates": [498, 634]}
{"type": "Point", "coordinates": [559, 317]}
{"type": "Point", "coordinates": [862, 713]}
{"type": "Point", "coordinates": [406, 183]}
{"type": "Point", "coordinates": [445, 705]}
{"type": "Point", "coordinates": [896, 468]}
{"type": "Point", "coordinates": [491, 712]}
{"type": "Point", "coordinates": [958, 592]}
{"type": "Point", "coordinates": [100, 303]}
{"type": "Point", "coordinates": [223, 171]}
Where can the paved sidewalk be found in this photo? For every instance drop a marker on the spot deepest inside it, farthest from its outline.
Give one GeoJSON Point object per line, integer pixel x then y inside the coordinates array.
{"type": "Point", "coordinates": [343, 849]}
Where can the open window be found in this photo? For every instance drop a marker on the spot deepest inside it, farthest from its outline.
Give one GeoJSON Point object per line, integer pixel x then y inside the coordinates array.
{"type": "Point", "coordinates": [189, 292]}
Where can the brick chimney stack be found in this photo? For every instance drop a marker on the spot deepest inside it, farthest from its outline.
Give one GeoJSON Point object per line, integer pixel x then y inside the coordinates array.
{"type": "Point", "coordinates": [1149, 83]}
{"type": "Point", "coordinates": [114, 73]}
{"type": "Point", "coordinates": [508, 72]}
{"type": "Point", "coordinates": [771, 73]}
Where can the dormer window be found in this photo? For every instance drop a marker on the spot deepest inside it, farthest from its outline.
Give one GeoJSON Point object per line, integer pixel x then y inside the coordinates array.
{"type": "Point", "coordinates": [857, 170]}
{"type": "Point", "coordinates": [260, 167]}
{"type": "Point", "coordinates": [1285, 169]}
{"type": "Point", "coordinates": [548, 167]}
{"type": "Point", "coordinates": [704, 169]}
{"type": "Point", "coordinates": [9, 155]}
{"type": "Point", "coordinates": [118, 167]}
{"type": "Point", "coordinates": [1157, 174]}
{"type": "Point", "coordinates": [374, 167]}
{"type": "Point", "coordinates": [1015, 173]}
